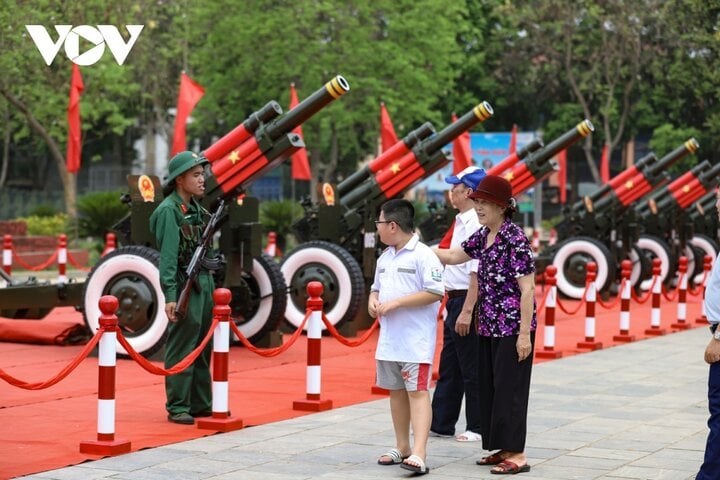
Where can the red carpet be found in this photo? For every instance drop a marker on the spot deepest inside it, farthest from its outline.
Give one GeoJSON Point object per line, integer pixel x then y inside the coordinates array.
{"type": "Point", "coordinates": [42, 430]}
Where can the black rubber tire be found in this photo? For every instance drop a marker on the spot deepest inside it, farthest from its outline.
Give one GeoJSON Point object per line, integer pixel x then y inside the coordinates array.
{"type": "Point", "coordinates": [336, 269]}
{"type": "Point", "coordinates": [655, 247]}
{"type": "Point", "coordinates": [259, 304]}
{"type": "Point", "coordinates": [131, 275]}
{"type": "Point", "coordinates": [571, 258]}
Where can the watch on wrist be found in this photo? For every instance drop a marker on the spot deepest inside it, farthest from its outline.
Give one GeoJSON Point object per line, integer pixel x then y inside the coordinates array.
{"type": "Point", "coordinates": [716, 334]}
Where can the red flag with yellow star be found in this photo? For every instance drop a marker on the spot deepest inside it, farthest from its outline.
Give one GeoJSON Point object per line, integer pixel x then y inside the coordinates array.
{"type": "Point", "coordinates": [300, 165]}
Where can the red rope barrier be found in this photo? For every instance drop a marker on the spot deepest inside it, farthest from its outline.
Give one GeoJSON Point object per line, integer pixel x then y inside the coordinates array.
{"type": "Point", "coordinates": [641, 300]}
{"type": "Point", "coordinates": [349, 343]}
{"type": "Point", "coordinates": [666, 292]}
{"type": "Point", "coordinates": [36, 268]}
{"type": "Point", "coordinates": [701, 286]}
{"type": "Point", "coordinates": [61, 375]}
{"type": "Point", "coordinates": [614, 303]}
{"type": "Point", "coordinates": [270, 352]}
{"type": "Point", "coordinates": [178, 367]}
{"type": "Point", "coordinates": [75, 263]}
{"type": "Point", "coordinates": [582, 302]}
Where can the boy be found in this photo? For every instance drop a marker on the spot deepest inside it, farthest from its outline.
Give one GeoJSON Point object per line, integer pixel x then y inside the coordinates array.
{"type": "Point", "coordinates": [405, 294]}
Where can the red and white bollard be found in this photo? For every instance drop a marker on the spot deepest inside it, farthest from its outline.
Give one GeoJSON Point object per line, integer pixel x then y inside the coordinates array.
{"type": "Point", "coordinates": [62, 259]}
{"type": "Point", "coordinates": [220, 419]}
{"type": "Point", "coordinates": [548, 350]}
{"type": "Point", "coordinates": [272, 248]}
{"type": "Point", "coordinates": [552, 240]}
{"type": "Point", "coordinates": [7, 254]}
{"type": "Point", "coordinates": [707, 267]}
{"type": "Point", "coordinates": [110, 244]}
{"type": "Point", "coordinates": [590, 299]}
{"type": "Point", "coordinates": [535, 241]}
{"type": "Point", "coordinates": [624, 335]}
{"type": "Point", "coordinates": [106, 444]}
{"type": "Point", "coordinates": [655, 312]}
{"type": "Point", "coordinates": [681, 323]}
{"type": "Point", "coordinates": [312, 401]}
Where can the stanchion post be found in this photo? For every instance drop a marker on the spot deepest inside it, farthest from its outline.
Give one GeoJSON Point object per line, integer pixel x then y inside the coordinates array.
{"type": "Point", "coordinates": [106, 443]}
{"type": "Point", "coordinates": [548, 350]}
{"type": "Point", "coordinates": [110, 243]}
{"type": "Point", "coordinates": [221, 419]}
{"type": "Point", "coordinates": [7, 254]}
{"type": "Point", "coordinates": [62, 259]}
{"type": "Point", "coordinates": [312, 401]}
{"type": "Point", "coordinates": [624, 335]}
{"type": "Point", "coordinates": [655, 312]}
{"type": "Point", "coordinates": [590, 298]}
{"type": "Point", "coordinates": [707, 266]}
{"type": "Point", "coordinates": [681, 323]}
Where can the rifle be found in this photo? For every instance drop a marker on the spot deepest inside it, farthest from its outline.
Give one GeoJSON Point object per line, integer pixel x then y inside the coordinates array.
{"type": "Point", "coordinates": [193, 268]}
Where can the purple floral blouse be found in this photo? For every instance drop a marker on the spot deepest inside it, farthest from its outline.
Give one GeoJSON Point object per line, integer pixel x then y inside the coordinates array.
{"type": "Point", "coordinates": [508, 258]}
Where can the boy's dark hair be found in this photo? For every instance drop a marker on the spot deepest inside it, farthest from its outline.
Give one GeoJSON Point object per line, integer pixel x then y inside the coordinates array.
{"type": "Point", "coordinates": [401, 212]}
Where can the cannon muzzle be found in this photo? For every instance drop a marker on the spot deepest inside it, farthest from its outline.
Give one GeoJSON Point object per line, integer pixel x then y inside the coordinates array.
{"type": "Point", "coordinates": [332, 90]}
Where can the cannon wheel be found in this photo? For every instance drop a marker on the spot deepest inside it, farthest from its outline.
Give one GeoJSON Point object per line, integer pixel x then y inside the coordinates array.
{"type": "Point", "coordinates": [571, 259]}
{"type": "Point", "coordinates": [258, 305]}
{"type": "Point", "coordinates": [707, 246]}
{"type": "Point", "coordinates": [336, 269]}
{"type": "Point", "coordinates": [655, 247]}
{"type": "Point", "coordinates": [130, 274]}
{"type": "Point", "coordinates": [641, 266]}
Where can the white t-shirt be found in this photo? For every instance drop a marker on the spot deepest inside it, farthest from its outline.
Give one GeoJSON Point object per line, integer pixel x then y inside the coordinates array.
{"type": "Point", "coordinates": [712, 294]}
{"type": "Point", "coordinates": [408, 334]}
{"type": "Point", "coordinates": [457, 277]}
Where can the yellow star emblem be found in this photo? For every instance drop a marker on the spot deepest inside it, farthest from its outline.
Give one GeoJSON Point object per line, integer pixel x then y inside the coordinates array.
{"type": "Point", "coordinates": [629, 184]}
{"type": "Point", "coordinates": [509, 176]}
{"type": "Point", "coordinates": [686, 188]}
{"type": "Point", "coordinates": [234, 157]}
{"type": "Point", "coordinates": [395, 167]}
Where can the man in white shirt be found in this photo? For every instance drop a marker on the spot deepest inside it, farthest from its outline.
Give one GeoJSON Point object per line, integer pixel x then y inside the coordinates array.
{"type": "Point", "coordinates": [459, 356]}
{"type": "Point", "coordinates": [710, 468]}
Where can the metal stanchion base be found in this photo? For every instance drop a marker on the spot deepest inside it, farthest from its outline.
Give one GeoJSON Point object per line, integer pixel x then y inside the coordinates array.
{"type": "Point", "coordinates": [548, 354]}
{"type": "Point", "coordinates": [312, 405]}
{"type": "Point", "coordinates": [624, 337]}
{"type": "Point", "coordinates": [655, 331]}
{"type": "Point", "coordinates": [680, 325]}
{"type": "Point", "coordinates": [702, 320]}
{"type": "Point", "coordinates": [227, 424]}
{"type": "Point", "coordinates": [105, 447]}
{"type": "Point", "coordinates": [591, 345]}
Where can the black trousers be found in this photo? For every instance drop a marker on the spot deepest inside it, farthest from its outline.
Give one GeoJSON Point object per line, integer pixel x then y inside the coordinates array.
{"type": "Point", "coordinates": [504, 393]}
{"type": "Point", "coordinates": [458, 376]}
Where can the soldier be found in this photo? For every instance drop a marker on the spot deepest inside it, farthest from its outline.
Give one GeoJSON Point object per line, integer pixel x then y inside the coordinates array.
{"type": "Point", "coordinates": [177, 224]}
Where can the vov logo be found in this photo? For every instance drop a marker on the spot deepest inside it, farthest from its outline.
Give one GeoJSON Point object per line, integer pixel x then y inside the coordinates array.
{"type": "Point", "coordinates": [70, 37]}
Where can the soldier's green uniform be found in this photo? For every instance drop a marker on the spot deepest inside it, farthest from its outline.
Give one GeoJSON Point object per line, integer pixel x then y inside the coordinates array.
{"type": "Point", "coordinates": [178, 228]}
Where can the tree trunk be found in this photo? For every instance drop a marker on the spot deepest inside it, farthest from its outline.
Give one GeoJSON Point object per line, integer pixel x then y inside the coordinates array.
{"type": "Point", "coordinates": [6, 151]}
{"type": "Point", "coordinates": [68, 179]}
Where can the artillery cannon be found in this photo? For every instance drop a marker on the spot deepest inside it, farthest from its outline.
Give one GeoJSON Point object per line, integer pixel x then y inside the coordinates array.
{"type": "Point", "coordinates": [339, 239]}
{"type": "Point", "coordinates": [603, 229]}
{"type": "Point", "coordinates": [704, 217]}
{"type": "Point", "coordinates": [668, 230]}
{"type": "Point", "coordinates": [130, 273]}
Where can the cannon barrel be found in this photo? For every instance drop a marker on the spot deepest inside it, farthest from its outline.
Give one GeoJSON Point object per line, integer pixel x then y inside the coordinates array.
{"type": "Point", "coordinates": [480, 113]}
{"type": "Point", "coordinates": [619, 179]}
{"type": "Point", "coordinates": [243, 131]}
{"type": "Point", "coordinates": [514, 158]}
{"type": "Point", "coordinates": [396, 151]}
{"type": "Point", "coordinates": [539, 164]}
{"type": "Point", "coordinates": [643, 182]}
{"type": "Point", "coordinates": [425, 158]}
{"type": "Point", "coordinates": [664, 199]}
{"type": "Point", "coordinates": [704, 205]}
{"type": "Point", "coordinates": [332, 90]}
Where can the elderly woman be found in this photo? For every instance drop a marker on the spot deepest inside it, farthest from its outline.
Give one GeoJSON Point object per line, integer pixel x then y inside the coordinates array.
{"type": "Point", "coordinates": [505, 321]}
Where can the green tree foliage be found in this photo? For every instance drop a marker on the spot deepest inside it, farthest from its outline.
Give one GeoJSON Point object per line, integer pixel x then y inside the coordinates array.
{"type": "Point", "coordinates": [98, 212]}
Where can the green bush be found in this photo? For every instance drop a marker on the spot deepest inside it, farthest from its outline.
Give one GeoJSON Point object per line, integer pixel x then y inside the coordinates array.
{"type": "Point", "coordinates": [53, 226]}
{"type": "Point", "coordinates": [278, 217]}
{"type": "Point", "coordinates": [98, 212]}
{"type": "Point", "coordinates": [43, 210]}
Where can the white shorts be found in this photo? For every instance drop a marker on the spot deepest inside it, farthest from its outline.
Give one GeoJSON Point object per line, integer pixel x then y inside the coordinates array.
{"type": "Point", "coordinates": [413, 377]}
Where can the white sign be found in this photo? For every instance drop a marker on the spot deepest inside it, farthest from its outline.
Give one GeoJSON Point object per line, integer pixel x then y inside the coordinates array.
{"type": "Point", "coordinates": [70, 37]}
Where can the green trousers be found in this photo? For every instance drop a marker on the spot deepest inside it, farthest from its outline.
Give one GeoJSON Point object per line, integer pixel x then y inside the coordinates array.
{"type": "Point", "coordinates": [190, 391]}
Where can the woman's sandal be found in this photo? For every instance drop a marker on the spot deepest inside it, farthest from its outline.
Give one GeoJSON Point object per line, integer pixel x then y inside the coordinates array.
{"type": "Point", "coordinates": [506, 467]}
{"type": "Point", "coordinates": [493, 459]}
{"type": "Point", "coordinates": [394, 455]}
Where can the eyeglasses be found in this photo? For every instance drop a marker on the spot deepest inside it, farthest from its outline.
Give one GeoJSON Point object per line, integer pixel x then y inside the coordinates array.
{"type": "Point", "coordinates": [378, 222]}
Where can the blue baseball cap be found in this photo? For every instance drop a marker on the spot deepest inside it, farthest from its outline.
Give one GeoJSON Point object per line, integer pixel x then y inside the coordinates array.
{"type": "Point", "coordinates": [470, 177]}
